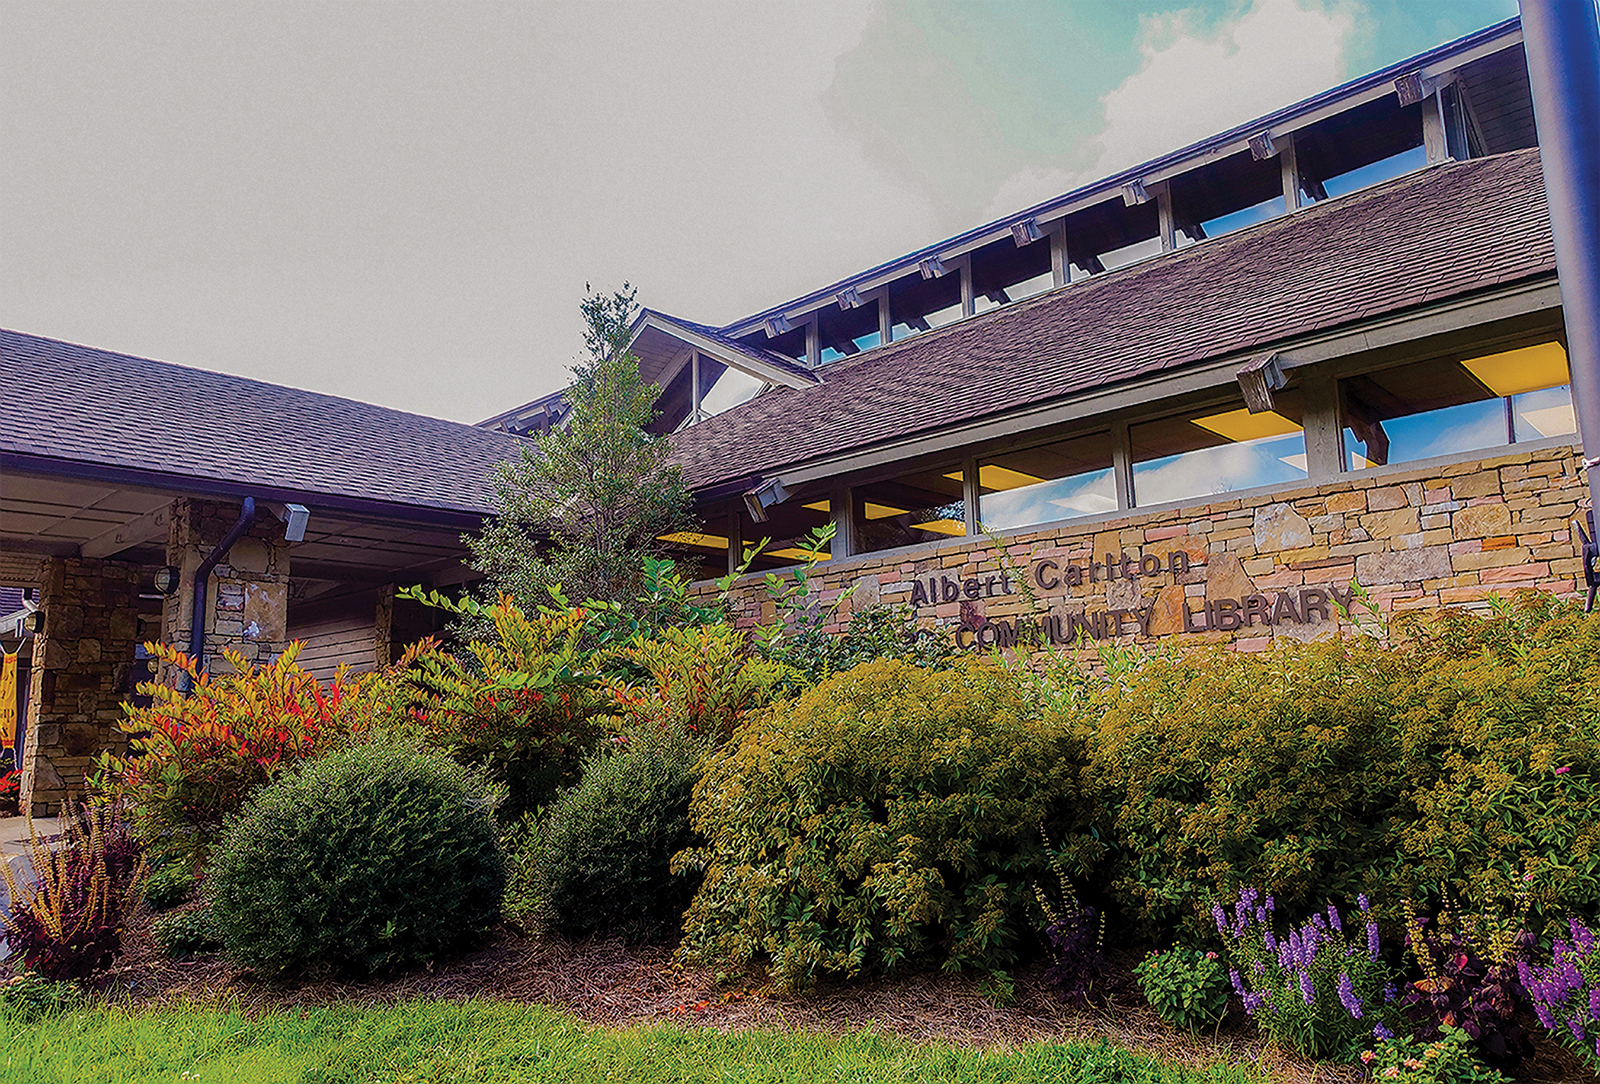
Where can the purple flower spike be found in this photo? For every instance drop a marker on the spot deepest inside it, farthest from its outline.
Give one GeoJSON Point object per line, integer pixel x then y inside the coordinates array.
{"type": "Point", "coordinates": [1372, 941]}
{"type": "Point", "coordinates": [1381, 1032]}
{"type": "Point", "coordinates": [1309, 992]}
{"type": "Point", "coordinates": [1594, 1004]}
{"type": "Point", "coordinates": [1238, 983]}
{"type": "Point", "coordinates": [1572, 1025]}
{"type": "Point", "coordinates": [1270, 940]}
{"type": "Point", "coordinates": [1333, 918]}
{"type": "Point", "coordinates": [1347, 996]}
{"type": "Point", "coordinates": [1221, 916]}
{"type": "Point", "coordinates": [1270, 905]}
{"type": "Point", "coordinates": [1362, 901]}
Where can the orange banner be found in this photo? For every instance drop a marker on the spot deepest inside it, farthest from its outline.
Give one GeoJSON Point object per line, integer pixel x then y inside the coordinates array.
{"type": "Point", "coordinates": [8, 701]}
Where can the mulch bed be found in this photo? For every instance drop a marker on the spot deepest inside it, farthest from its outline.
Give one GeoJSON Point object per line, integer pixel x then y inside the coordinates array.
{"type": "Point", "coordinates": [610, 983]}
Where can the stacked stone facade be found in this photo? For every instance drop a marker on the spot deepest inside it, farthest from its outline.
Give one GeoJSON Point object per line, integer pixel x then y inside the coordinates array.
{"type": "Point", "coordinates": [82, 672]}
{"type": "Point", "coordinates": [247, 598]}
{"type": "Point", "coordinates": [1241, 570]}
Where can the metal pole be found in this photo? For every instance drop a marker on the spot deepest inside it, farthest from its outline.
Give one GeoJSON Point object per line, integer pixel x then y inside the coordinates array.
{"type": "Point", "coordinates": [1562, 40]}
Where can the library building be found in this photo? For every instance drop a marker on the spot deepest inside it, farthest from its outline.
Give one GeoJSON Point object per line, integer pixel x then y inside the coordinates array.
{"type": "Point", "coordinates": [1312, 363]}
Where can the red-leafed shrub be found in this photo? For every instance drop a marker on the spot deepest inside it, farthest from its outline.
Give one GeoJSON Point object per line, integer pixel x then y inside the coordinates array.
{"type": "Point", "coordinates": [10, 794]}
{"type": "Point", "coordinates": [193, 760]}
{"type": "Point", "coordinates": [67, 923]}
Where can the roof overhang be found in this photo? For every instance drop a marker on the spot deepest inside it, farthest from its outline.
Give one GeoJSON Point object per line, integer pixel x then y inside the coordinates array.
{"type": "Point", "coordinates": [1523, 299]}
{"type": "Point", "coordinates": [662, 344]}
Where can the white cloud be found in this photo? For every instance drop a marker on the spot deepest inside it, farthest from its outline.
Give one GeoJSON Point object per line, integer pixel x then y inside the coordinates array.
{"type": "Point", "coordinates": [1193, 85]}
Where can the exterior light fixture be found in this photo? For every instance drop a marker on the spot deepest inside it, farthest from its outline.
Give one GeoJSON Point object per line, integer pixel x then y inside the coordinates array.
{"type": "Point", "coordinates": [764, 496]}
{"type": "Point", "coordinates": [1512, 372]}
{"type": "Point", "coordinates": [932, 268]}
{"type": "Point", "coordinates": [1026, 232]}
{"type": "Point", "coordinates": [849, 298]}
{"type": "Point", "coordinates": [1262, 147]}
{"type": "Point", "coordinates": [1411, 88]}
{"type": "Point", "coordinates": [1258, 379]}
{"type": "Point", "coordinates": [167, 578]}
{"type": "Point", "coordinates": [778, 325]}
{"type": "Point", "coordinates": [1135, 193]}
{"type": "Point", "coordinates": [34, 622]}
{"type": "Point", "coordinates": [295, 517]}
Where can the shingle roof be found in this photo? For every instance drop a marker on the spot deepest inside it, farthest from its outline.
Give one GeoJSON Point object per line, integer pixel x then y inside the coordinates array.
{"type": "Point", "coordinates": [104, 409]}
{"type": "Point", "coordinates": [1442, 232]}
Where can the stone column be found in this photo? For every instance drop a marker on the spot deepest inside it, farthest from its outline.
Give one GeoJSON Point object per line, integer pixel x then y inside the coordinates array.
{"type": "Point", "coordinates": [81, 660]}
{"type": "Point", "coordinates": [247, 597]}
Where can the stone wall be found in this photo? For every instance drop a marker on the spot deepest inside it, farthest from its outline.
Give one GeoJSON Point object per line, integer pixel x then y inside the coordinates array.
{"type": "Point", "coordinates": [1241, 570]}
{"type": "Point", "coordinates": [82, 662]}
{"type": "Point", "coordinates": [247, 597]}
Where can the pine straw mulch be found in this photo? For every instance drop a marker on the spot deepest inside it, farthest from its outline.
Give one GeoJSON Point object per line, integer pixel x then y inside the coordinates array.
{"type": "Point", "coordinates": [609, 983]}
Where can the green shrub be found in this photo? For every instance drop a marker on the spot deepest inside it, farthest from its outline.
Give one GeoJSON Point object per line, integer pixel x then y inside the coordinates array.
{"type": "Point", "coordinates": [1447, 1060]}
{"type": "Point", "coordinates": [1186, 987]}
{"type": "Point", "coordinates": [874, 632]}
{"type": "Point", "coordinates": [1450, 763]}
{"type": "Point", "coordinates": [183, 932]}
{"type": "Point", "coordinates": [598, 860]}
{"type": "Point", "coordinates": [888, 816]}
{"type": "Point", "coordinates": [29, 995]}
{"type": "Point", "coordinates": [168, 886]}
{"type": "Point", "coordinates": [374, 857]}
{"type": "Point", "coordinates": [700, 680]}
{"type": "Point", "coordinates": [523, 706]}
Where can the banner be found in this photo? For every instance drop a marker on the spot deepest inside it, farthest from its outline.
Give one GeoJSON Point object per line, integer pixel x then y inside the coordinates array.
{"type": "Point", "coordinates": [8, 700]}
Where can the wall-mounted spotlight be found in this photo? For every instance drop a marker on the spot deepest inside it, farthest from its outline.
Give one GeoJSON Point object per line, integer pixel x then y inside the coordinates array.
{"type": "Point", "coordinates": [932, 268]}
{"type": "Point", "coordinates": [167, 579]}
{"type": "Point", "coordinates": [849, 298]}
{"type": "Point", "coordinates": [779, 325]}
{"type": "Point", "coordinates": [34, 622]}
{"type": "Point", "coordinates": [295, 517]}
{"type": "Point", "coordinates": [1135, 193]}
{"type": "Point", "coordinates": [1026, 232]}
{"type": "Point", "coordinates": [764, 496]}
{"type": "Point", "coordinates": [1262, 147]}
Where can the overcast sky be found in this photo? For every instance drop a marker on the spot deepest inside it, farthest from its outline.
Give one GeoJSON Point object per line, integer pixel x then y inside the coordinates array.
{"type": "Point", "coordinates": [402, 202]}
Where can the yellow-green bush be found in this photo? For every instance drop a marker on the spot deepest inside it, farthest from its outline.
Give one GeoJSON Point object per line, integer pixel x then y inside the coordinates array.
{"type": "Point", "coordinates": [1459, 759]}
{"type": "Point", "coordinates": [891, 814]}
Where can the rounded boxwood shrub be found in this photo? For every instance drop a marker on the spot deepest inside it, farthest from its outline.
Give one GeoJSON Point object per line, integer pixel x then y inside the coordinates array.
{"type": "Point", "coordinates": [599, 860]}
{"type": "Point", "coordinates": [374, 857]}
{"type": "Point", "coordinates": [889, 815]}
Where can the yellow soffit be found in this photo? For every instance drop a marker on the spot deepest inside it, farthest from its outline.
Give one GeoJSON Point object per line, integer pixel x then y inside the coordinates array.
{"type": "Point", "coordinates": [996, 479]}
{"type": "Point", "coordinates": [943, 526]}
{"type": "Point", "coordinates": [1241, 425]}
{"type": "Point", "coordinates": [695, 538]}
{"type": "Point", "coordinates": [795, 554]}
{"type": "Point", "coordinates": [1513, 372]}
{"type": "Point", "coordinates": [872, 511]}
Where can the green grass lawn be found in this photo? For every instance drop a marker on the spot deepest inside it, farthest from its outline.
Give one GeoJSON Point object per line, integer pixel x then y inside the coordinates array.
{"type": "Point", "coordinates": [426, 1041]}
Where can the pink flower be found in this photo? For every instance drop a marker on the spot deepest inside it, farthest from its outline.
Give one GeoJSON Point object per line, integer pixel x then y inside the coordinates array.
{"type": "Point", "coordinates": [1367, 1055]}
{"type": "Point", "coordinates": [1393, 1070]}
{"type": "Point", "coordinates": [1563, 771]}
{"type": "Point", "coordinates": [1211, 955]}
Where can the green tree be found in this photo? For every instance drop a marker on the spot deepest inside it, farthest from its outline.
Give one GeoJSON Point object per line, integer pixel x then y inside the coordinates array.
{"type": "Point", "coordinates": [583, 508]}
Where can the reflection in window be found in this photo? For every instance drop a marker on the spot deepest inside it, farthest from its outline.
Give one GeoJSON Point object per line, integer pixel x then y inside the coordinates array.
{"type": "Point", "coordinates": [1382, 170]}
{"type": "Point", "coordinates": [1052, 482]}
{"type": "Point", "coordinates": [732, 388]}
{"type": "Point", "coordinates": [911, 509]}
{"type": "Point", "coordinates": [697, 555]}
{"type": "Point", "coordinates": [1443, 406]}
{"type": "Point", "coordinates": [1178, 458]}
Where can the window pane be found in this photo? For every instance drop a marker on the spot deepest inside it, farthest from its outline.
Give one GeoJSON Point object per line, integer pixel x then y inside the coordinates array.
{"type": "Point", "coordinates": [1546, 413]}
{"type": "Point", "coordinates": [1444, 406]}
{"type": "Point", "coordinates": [1218, 452]}
{"type": "Point", "coordinates": [1053, 482]}
{"type": "Point", "coordinates": [732, 388]}
{"type": "Point", "coordinates": [914, 508]}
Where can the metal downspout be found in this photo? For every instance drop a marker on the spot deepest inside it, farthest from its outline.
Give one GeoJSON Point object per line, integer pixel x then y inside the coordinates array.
{"type": "Point", "coordinates": [197, 618]}
{"type": "Point", "coordinates": [1562, 41]}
